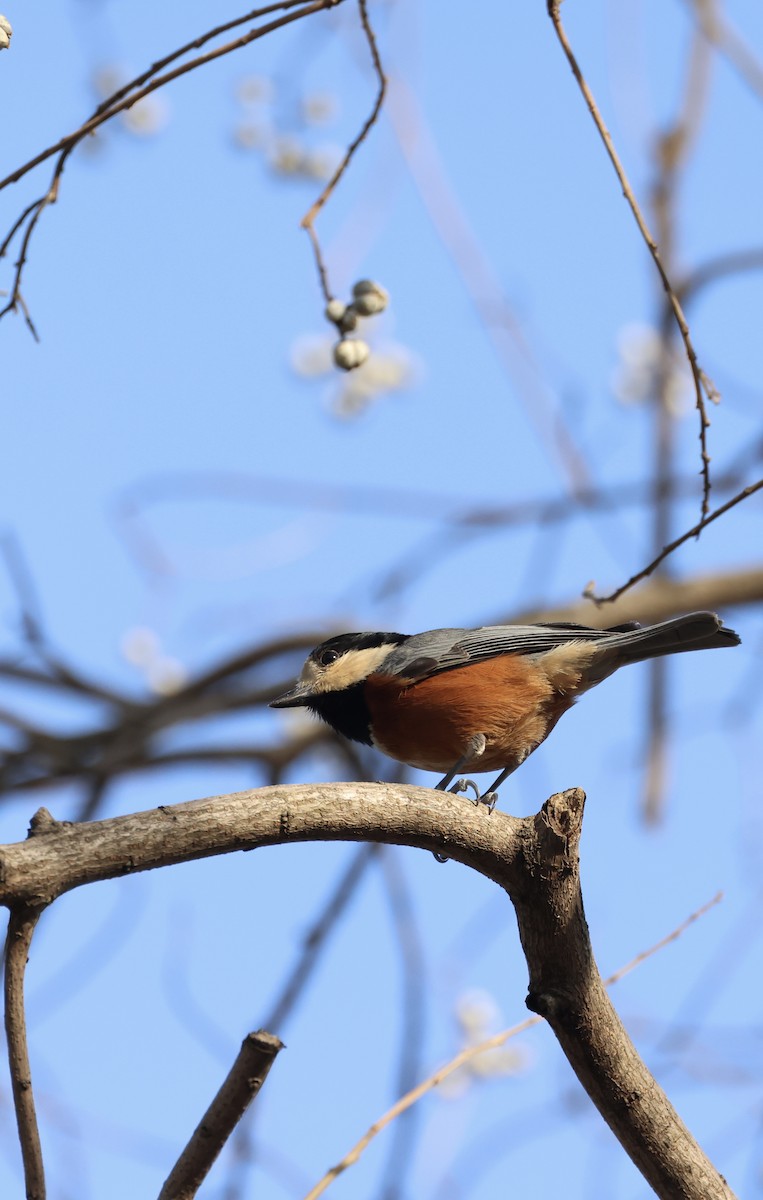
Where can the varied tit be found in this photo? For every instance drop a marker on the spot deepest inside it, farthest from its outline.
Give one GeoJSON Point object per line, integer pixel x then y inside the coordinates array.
{"type": "Point", "coordinates": [455, 700]}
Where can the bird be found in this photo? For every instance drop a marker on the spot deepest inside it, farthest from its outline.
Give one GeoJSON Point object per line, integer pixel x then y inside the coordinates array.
{"type": "Point", "coordinates": [453, 700]}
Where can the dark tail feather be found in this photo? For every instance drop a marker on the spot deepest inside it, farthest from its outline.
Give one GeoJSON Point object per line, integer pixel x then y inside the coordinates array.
{"type": "Point", "coordinates": [695, 631]}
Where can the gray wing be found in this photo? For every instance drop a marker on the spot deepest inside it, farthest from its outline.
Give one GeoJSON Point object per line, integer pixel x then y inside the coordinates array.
{"type": "Point", "coordinates": [441, 649]}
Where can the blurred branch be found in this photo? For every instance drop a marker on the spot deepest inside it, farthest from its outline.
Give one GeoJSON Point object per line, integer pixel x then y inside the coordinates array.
{"type": "Point", "coordinates": [734, 263]}
{"type": "Point", "coordinates": [729, 43]}
{"type": "Point", "coordinates": [393, 1184]}
{"type": "Point", "coordinates": [482, 283]}
{"type": "Point", "coordinates": [21, 927]}
{"type": "Point", "coordinates": [659, 599]}
{"type": "Point", "coordinates": [671, 153]}
{"type": "Point", "coordinates": [534, 859]}
{"type": "Point", "coordinates": [308, 221]}
{"type": "Point", "coordinates": [463, 526]}
{"type": "Point", "coordinates": [128, 737]}
{"type": "Point", "coordinates": [293, 990]}
{"type": "Point", "coordinates": [703, 385]}
{"type": "Point", "coordinates": [242, 1083]}
{"type": "Point", "coordinates": [318, 933]}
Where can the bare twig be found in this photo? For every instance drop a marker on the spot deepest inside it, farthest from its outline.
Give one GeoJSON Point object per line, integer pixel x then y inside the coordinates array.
{"type": "Point", "coordinates": [670, 937]}
{"type": "Point", "coordinates": [695, 531]}
{"type": "Point", "coordinates": [484, 1047]}
{"type": "Point", "coordinates": [308, 221]}
{"type": "Point", "coordinates": [703, 385]}
{"type": "Point", "coordinates": [410, 1098]}
{"type": "Point", "coordinates": [124, 99]}
{"type": "Point", "coordinates": [243, 1082]}
{"type": "Point", "coordinates": [137, 90]}
{"type": "Point", "coordinates": [21, 926]}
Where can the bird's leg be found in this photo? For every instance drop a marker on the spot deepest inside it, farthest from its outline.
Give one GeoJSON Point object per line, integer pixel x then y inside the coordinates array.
{"type": "Point", "coordinates": [490, 797]}
{"type": "Point", "coordinates": [474, 748]}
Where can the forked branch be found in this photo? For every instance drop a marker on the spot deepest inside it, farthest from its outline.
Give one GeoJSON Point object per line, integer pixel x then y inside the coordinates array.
{"type": "Point", "coordinates": [534, 859]}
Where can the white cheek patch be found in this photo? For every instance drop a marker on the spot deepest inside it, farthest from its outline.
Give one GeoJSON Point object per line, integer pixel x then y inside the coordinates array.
{"type": "Point", "coordinates": [351, 668]}
{"type": "Point", "coordinates": [310, 672]}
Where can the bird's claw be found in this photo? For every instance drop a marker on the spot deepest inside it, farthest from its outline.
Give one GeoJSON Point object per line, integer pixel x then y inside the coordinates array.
{"type": "Point", "coordinates": [463, 785]}
{"type": "Point", "coordinates": [489, 799]}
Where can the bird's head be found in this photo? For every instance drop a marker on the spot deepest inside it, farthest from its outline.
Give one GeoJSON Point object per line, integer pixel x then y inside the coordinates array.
{"type": "Point", "coordinates": [337, 664]}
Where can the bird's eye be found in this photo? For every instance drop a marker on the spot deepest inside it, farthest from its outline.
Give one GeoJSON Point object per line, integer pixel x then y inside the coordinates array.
{"type": "Point", "coordinates": [326, 657]}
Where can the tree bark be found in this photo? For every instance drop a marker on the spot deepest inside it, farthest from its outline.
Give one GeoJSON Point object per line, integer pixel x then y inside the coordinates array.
{"type": "Point", "coordinates": [534, 859]}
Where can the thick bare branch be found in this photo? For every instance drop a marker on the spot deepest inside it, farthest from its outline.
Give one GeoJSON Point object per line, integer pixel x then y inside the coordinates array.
{"type": "Point", "coordinates": [566, 989]}
{"type": "Point", "coordinates": [242, 1083]}
{"type": "Point", "coordinates": [534, 859]}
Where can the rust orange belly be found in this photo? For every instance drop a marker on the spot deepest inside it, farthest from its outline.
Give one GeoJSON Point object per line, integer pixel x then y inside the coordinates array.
{"type": "Point", "coordinates": [428, 724]}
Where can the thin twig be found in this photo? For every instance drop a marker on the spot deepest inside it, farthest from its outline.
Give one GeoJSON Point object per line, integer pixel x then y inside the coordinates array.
{"type": "Point", "coordinates": [695, 531]}
{"type": "Point", "coordinates": [122, 100]}
{"type": "Point", "coordinates": [243, 1082]}
{"type": "Point", "coordinates": [703, 385]}
{"type": "Point", "coordinates": [491, 1043]}
{"type": "Point", "coordinates": [308, 221]}
{"type": "Point", "coordinates": [21, 927]}
{"type": "Point", "coordinates": [663, 942]}
{"type": "Point", "coordinates": [196, 44]}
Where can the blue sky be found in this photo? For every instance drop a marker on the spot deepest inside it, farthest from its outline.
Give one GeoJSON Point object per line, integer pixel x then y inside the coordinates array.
{"type": "Point", "coordinates": [172, 286]}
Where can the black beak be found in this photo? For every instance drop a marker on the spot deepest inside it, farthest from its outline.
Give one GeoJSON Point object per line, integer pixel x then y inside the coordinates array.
{"type": "Point", "coordinates": [296, 697]}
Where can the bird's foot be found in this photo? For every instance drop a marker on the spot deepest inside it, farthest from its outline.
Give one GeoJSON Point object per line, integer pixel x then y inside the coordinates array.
{"type": "Point", "coordinates": [489, 799]}
{"type": "Point", "coordinates": [463, 785]}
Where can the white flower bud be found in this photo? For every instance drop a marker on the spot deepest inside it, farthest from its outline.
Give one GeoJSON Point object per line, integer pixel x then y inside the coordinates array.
{"type": "Point", "coordinates": [350, 353]}
{"type": "Point", "coordinates": [335, 310]}
{"type": "Point", "coordinates": [6, 33]}
{"type": "Point", "coordinates": [369, 297]}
